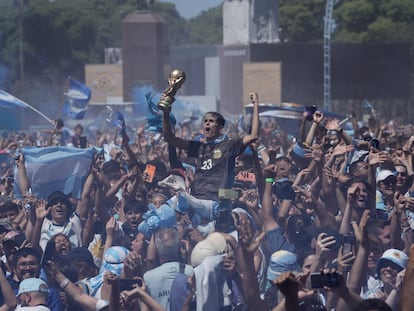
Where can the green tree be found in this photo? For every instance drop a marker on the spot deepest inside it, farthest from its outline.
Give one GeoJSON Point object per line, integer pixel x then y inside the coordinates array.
{"type": "Point", "coordinates": [207, 28]}
{"type": "Point", "coordinates": [61, 36]}
{"type": "Point", "coordinates": [301, 20]}
{"type": "Point", "coordinates": [375, 21]}
{"type": "Point", "coordinates": [176, 27]}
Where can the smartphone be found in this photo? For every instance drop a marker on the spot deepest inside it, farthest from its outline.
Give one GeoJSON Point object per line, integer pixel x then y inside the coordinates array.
{"type": "Point", "coordinates": [49, 253]}
{"type": "Point", "coordinates": [83, 142]}
{"type": "Point", "coordinates": [17, 154]}
{"type": "Point", "coordinates": [283, 189]}
{"type": "Point", "coordinates": [228, 194]}
{"type": "Point", "coordinates": [320, 280]}
{"type": "Point", "coordinates": [348, 243]}
{"type": "Point", "coordinates": [338, 241]}
{"type": "Point", "coordinates": [310, 111]}
{"type": "Point", "coordinates": [17, 241]}
{"type": "Point", "coordinates": [150, 172]}
{"type": "Point", "coordinates": [128, 284]}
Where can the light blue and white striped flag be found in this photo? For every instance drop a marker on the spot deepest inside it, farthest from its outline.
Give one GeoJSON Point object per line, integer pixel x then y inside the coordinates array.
{"type": "Point", "coordinates": [76, 99]}
{"type": "Point", "coordinates": [9, 101]}
{"type": "Point", "coordinates": [56, 168]}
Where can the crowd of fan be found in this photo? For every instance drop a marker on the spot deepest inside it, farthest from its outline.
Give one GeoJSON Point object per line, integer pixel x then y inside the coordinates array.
{"type": "Point", "coordinates": [322, 221]}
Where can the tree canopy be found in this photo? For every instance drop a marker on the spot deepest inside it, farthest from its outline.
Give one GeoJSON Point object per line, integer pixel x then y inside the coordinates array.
{"type": "Point", "coordinates": [375, 21]}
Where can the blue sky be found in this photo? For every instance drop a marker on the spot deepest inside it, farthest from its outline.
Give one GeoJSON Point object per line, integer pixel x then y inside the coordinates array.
{"type": "Point", "coordinates": [191, 8]}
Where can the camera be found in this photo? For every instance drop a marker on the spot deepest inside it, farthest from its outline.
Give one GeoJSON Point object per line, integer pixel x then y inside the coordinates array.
{"type": "Point", "coordinates": [320, 279]}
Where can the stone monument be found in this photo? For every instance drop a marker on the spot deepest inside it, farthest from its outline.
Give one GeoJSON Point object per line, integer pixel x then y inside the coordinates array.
{"type": "Point", "coordinates": [143, 49]}
{"type": "Point", "coordinates": [250, 21]}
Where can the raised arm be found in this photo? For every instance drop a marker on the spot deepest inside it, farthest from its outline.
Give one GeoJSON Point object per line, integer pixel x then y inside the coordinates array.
{"type": "Point", "coordinates": [269, 222]}
{"type": "Point", "coordinates": [352, 195]}
{"type": "Point", "coordinates": [168, 133]}
{"type": "Point", "coordinates": [317, 118]}
{"type": "Point", "coordinates": [254, 133]}
{"type": "Point", "coordinates": [245, 262]}
{"type": "Point", "coordinates": [359, 267]}
{"type": "Point", "coordinates": [41, 211]}
{"type": "Point", "coordinates": [83, 204]}
{"type": "Point", "coordinates": [24, 183]}
{"type": "Point", "coordinates": [10, 300]}
{"type": "Point", "coordinates": [76, 293]}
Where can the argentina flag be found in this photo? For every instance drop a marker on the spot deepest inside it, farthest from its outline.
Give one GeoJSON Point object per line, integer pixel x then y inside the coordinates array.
{"type": "Point", "coordinates": [76, 99]}
{"type": "Point", "coordinates": [9, 101]}
{"type": "Point", "coordinates": [56, 168]}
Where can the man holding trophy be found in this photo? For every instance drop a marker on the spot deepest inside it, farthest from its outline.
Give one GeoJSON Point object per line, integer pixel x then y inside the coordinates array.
{"type": "Point", "coordinates": [216, 154]}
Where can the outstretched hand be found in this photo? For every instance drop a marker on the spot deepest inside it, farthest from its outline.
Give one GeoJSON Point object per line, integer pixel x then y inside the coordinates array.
{"type": "Point", "coordinates": [360, 231]}
{"type": "Point", "coordinates": [41, 209]}
{"type": "Point", "coordinates": [246, 235]}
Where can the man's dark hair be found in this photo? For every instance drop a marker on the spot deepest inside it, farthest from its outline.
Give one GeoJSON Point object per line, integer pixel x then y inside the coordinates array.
{"type": "Point", "coordinates": [134, 205]}
{"type": "Point", "coordinates": [67, 267]}
{"type": "Point", "coordinates": [372, 304]}
{"type": "Point", "coordinates": [9, 206]}
{"type": "Point", "coordinates": [219, 118]}
{"type": "Point", "coordinates": [354, 166]}
{"type": "Point", "coordinates": [351, 181]}
{"type": "Point", "coordinates": [111, 166]}
{"type": "Point", "coordinates": [58, 197]}
{"type": "Point", "coordinates": [79, 126]}
{"type": "Point", "coordinates": [400, 164]}
{"type": "Point", "coordinates": [59, 123]}
{"type": "Point", "coordinates": [24, 252]}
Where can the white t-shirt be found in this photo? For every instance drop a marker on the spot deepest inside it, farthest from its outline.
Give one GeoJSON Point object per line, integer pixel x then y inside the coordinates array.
{"type": "Point", "coordinates": [72, 229]}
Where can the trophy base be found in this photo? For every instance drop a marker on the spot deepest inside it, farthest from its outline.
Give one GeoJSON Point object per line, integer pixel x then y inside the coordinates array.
{"type": "Point", "coordinates": [164, 105]}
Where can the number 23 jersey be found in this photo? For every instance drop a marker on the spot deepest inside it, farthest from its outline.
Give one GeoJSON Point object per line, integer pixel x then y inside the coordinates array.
{"type": "Point", "coordinates": [215, 165]}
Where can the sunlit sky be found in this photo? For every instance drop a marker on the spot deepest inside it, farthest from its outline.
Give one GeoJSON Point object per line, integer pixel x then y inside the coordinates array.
{"type": "Point", "coordinates": [191, 8]}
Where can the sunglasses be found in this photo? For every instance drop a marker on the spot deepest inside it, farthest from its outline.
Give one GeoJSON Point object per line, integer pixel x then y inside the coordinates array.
{"type": "Point", "coordinates": [403, 174]}
{"type": "Point", "coordinates": [389, 181]}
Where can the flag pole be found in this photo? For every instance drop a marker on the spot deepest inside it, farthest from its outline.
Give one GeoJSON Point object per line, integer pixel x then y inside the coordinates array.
{"type": "Point", "coordinates": [40, 113]}
{"type": "Point", "coordinates": [9, 101]}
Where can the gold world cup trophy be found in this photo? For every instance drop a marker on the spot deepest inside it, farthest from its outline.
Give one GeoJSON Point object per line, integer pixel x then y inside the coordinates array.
{"type": "Point", "coordinates": [175, 80]}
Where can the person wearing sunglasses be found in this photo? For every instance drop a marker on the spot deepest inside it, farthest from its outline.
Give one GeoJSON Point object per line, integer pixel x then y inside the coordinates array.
{"type": "Point", "coordinates": [386, 186]}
